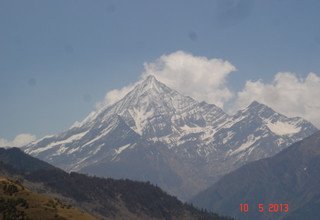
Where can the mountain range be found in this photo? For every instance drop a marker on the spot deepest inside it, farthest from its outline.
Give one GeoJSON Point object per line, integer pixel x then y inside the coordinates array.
{"type": "Point", "coordinates": [291, 177]}
{"type": "Point", "coordinates": [156, 134]}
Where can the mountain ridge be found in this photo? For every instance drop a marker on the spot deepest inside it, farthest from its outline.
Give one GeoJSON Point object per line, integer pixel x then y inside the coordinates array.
{"type": "Point", "coordinates": [103, 198]}
{"type": "Point", "coordinates": [163, 125]}
{"type": "Point", "coordinates": [290, 176]}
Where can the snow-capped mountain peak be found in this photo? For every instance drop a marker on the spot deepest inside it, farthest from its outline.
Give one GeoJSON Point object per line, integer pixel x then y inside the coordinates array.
{"type": "Point", "coordinates": [152, 109]}
{"type": "Point", "coordinates": [257, 109]}
{"type": "Point", "coordinates": [179, 139]}
{"type": "Point", "coordinates": [153, 92]}
{"type": "Point", "coordinates": [151, 83]}
{"type": "Point", "coordinates": [277, 123]}
{"type": "Point", "coordinates": [149, 87]}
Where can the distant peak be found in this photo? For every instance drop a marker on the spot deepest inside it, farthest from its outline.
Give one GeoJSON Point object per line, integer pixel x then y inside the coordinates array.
{"type": "Point", "coordinates": [259, 108]}
{"type": "Point", "coordinates": [150, 83]}
{"type": "Point", "coordinates": [150, 78]}
{"type": "Point", "coordinates": [256, 104]}
{"type": "Point", "coordinates": [256, 107]}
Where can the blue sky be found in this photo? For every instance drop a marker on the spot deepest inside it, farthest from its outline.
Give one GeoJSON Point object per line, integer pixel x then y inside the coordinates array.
{"type": "Point", "coordinates": [59, 58]}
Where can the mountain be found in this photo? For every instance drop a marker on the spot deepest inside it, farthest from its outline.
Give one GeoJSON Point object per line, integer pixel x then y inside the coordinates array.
{"type": "Point", "coordinates": [291, 177]}
{"type": "Point", "coordinates": [254, 133]}
{"type": "Point", "coordinates": [44, 187]}
{"type": "Point", "coordinates": [155, 133]}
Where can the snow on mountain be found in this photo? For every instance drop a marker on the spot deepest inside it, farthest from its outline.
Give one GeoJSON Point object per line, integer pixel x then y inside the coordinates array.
{"type": "Point", "coordinates": [282, 128]}
{"type": "Point", "coordinates": [260, 121]}
{"type": "Point", "coordinates": [155, 133]}
{"type": "Point", "coordinates": [252, 133]}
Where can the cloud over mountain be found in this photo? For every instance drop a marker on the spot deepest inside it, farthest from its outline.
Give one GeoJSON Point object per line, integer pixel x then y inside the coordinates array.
{"type": "Point", "coordinates": [197, 76]}
{"type": "Point", "coordinates": [288, 94]}
{"type": "Point", "coordinates": [206, 79]}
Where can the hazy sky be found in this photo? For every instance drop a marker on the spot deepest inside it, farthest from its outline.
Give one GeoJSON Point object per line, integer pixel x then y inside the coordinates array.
{"type": "Point", "coordinates": [59, 58]}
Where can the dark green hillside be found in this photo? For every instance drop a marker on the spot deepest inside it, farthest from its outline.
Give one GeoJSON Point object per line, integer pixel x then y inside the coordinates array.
{"type": "Point", "coordinates": [108, 198]}
{"type": "Point", "coordinates": [21, 161]}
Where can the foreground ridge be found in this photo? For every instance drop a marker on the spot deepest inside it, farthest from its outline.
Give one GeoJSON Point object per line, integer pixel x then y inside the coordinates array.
{"type": "Point", "coordinates": [102, 198]}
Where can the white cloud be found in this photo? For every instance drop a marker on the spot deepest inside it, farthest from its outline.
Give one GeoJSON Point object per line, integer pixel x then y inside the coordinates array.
{"type": "Point", "coordinates": [206, 80]}
{"type": "Point", "coordinates": [199, 77]}
{"type": "Point", "coordinates": [19, 141]}
{"type": "Point", "coordinates": [288, 94]}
